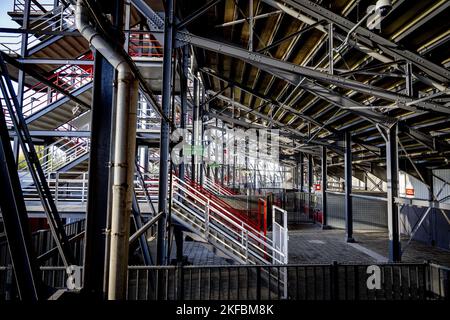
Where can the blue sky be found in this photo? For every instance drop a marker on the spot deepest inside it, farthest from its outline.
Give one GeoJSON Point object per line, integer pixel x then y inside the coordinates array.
{"type": "Point", "coordinates": [5, 20]}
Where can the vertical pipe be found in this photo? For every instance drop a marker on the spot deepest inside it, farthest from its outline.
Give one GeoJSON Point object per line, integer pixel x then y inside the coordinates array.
{"type": "Point", "coordinates": [222, 169]}
{"type": "Point", "coordinates": [392, 193]}
{"type": "Point", "coordinates": [348, 187]}
{"type": "Point", "coordinates": [202, 135]}
{"type": "Point", "coordinates": [310, 174]}
{"type": "Point", "coordinates": [122, 189]}
{"type": "Point", "coordinates": [164, 148]}
{"type": "Point", "coordinates": [324, 188]}
{"type": "Point", "coordinates": [194, 130]}
{"type": "Point", "coordinates": [183, 87]}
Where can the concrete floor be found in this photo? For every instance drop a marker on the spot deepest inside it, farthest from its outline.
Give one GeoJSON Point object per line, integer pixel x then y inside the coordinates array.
{"type": "Point", "coordinates": [308, 243]}
{"type": "Point", "coordinates": [199, 253]}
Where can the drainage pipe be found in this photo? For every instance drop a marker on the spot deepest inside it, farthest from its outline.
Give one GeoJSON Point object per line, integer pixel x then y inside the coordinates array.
{"type": "Point", "coordinates": [124, 153]}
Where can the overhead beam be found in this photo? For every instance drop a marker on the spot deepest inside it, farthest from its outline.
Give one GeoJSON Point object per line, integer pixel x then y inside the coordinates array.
{"type": "Point", "coordinates": [282, 126]}
{"type": "Point", "coordinates": [364, 36]}
{"type": "Point", "coordinates": [290, 109]}
{"type": "Point", "coordinates": [197, 13]}
{"type": "Point", "coordinates": [294, 74]}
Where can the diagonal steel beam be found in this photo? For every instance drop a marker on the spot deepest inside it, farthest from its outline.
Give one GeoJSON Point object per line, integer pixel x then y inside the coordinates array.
{"type": "Point", "coordinates": [298, 135]}
{"type": "Point", "coordinates": [294, 74]}
{"type": "Point", "coordinates": [29, 70]}
{"type": "Point", "coordinates": [283, 106]}
{"type": "Point", "coordinates": [285, 74]}
{"type": "Point", "coordinates": [373, 51]}
{"type": "Point", "coordinates": [197, 13]}
{"type": "Point", "coordinates": [365, 36]}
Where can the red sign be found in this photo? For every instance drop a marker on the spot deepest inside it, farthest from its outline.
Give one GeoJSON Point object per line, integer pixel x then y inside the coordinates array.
{"type": "Point", "coordinates": [409, 191]}
{"type": "Point", "coordinates": [317, 187]}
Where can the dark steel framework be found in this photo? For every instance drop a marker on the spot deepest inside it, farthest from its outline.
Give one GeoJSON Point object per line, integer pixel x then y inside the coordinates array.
{"type": "Point", "coordinates": [326, 104]}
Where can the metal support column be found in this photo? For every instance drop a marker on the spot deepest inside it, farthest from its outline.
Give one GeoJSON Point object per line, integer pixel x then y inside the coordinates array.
{"type": "Point", "coordinates": [251, 25]}
{"type": "Point", "coordinates": [194, 130]}
{"type": "Point", "coordinates": [409, 80]}
{"type": "Point", "coordinates": [183, 86]}
{"type": "Point", "coordinates": [302, 171]}
{"type": "Point", "coordinates": [392, 193]}
{"type": "Point", "coordinates": [324, 188]}
{"type": "Point", "coordinates": [348, 187]}
{"type": "Point", "coordinates": [202, 135]}
{"type": "Point", "coordinates": [165, 131]}
{"type": "Point", "coordinates": [97, 217]}
{"type": "Point", "coordinates": [21, 74]}
{"type": "Point", "coordinates": [15, 220]}
{"type": "Point", "coordinates": [310, 184]}
{"type": "Point", "coordinates": [331, 48]}
{"type": "Point", "coordinates": [178, 234]}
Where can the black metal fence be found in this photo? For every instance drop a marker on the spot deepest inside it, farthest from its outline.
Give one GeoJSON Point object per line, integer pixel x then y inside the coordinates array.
{"type": "Point", "coordinates": [44, 245]}
{"type": "Point", "coordinates": [419, 281]}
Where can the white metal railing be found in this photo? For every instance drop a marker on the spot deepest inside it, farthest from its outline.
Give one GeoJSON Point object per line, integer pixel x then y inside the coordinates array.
{"type": "Point", "coordinates": [214, 223]}
{"type": "Point", "coordinates": [72, 187]}
{"type": "Point", "coordinates": [19, 6]}
{"type": "Point", "coordinates": [215, 187]}
{"type": "Point", "coordinates": [66, 187]}
{"type": "Point", "coordinates": [147, 119]}
{"type": "Point", "coordinates": [61, 18]}
{"type": "Point", "coordinates": [57, 155]}
{"type": "Point", "coordinates": [238, 238]}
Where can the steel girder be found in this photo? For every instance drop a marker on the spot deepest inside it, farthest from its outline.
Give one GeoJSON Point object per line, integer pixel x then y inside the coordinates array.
{"type": "Point", "coordinates": [367, 37]}
{"type": "Point", "coordinates": [290, 109]}
{"type": "Point", "coordinates": [294, 74]}
{"type": "Point", "coordinates": [153, 19]}
{"type": "Point", "coordinates": [197, 13]}
{"type": "Point", "coordinates": [15, 220]}
{"type": "Point", "coordinates": [312, 87]}
{"type": "Point", "coordinates": [298, 135]}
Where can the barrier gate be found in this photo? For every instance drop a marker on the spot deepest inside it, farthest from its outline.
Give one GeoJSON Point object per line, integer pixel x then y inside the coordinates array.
{"type": "Point", "coordinates": [280, 239]}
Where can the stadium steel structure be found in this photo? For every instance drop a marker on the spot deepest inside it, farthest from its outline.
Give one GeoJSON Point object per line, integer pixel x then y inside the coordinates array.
{"type": "Point", "coordinates": [347, 99]}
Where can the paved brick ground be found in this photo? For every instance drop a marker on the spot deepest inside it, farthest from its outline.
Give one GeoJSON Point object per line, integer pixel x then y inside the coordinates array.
{"type": "Point", "coordinates": [310, 244]}
{"type": "Point", "coordinates": [305, 246]}
{"type": "Point", "coordinates": [200, 254]}
{"type": "Point", "coordinates": [415, 252]}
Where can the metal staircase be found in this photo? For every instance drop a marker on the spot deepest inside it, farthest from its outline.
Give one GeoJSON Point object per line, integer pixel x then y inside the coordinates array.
{"type": "Point", "coordinates": [253, 219]}
{"type": "Point", "coordinates": [221, 228]}
{"type": "Point", "coordinates": [47, 20]}
{"type": "Point", "coordinates": [35, 169]}
{"type": "Point", "coordinates": [217, 188]}
{"type": "Point", "coordinates": [45, 108]}
{"type": "Point", "coordinates": [63, 155]}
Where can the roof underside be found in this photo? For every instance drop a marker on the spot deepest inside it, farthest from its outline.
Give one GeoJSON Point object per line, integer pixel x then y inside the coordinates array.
{"type": "Point", "coordinates": [408, 24]}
